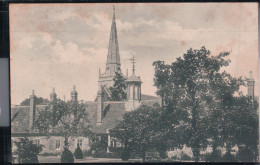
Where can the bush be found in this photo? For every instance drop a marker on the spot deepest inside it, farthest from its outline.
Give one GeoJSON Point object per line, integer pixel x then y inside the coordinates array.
{"type": "Point", "coordinates": [67, 156]}
{"type": "Point", "coordinates": [78, 153]}
{"type": "Point", "coordinates": [125, 154]}
{"type": "Point", "coordinates": [27, 151]}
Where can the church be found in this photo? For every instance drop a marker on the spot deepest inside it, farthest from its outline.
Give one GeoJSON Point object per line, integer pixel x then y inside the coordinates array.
{"type": "Point", "coordinates": [103, 113]}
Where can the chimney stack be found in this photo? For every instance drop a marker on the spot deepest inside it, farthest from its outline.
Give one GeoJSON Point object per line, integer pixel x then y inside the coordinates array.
{"type": "Point", "coordinates": [99, 105]}
{"type": "Point", "coordinates": [74, 94]}
{"type": "Point", "coordinates": [32, 111]}
{"type": "Point", "coordinates": [250, 85]}
{"type": "Point", "coordinates": [53, 95]}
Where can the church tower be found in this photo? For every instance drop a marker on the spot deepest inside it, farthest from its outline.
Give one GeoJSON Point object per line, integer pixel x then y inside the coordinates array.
{"type": "Point", "coordinates": [113, 64]}
{"type": "Point", "coordinates": [133, 90]}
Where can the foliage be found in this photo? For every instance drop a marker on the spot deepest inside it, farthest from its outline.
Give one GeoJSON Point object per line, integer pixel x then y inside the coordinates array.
{"type": "Point", "coordinates": [118, 89]}
{"type": "Point", "coordinates": [138, 130]}
{"type": "Point", "coordinates": [67, 156]}
{"type": "Point", "coordinates": [200, 108]}
{"type": "Point", "coordinates": [69, 118]}
{"type": "Point", "coordinates": [38, 101]}
{"type": "Point", "coordinates": [27, 151]}
{"type": "Point", "coordinates": [78, 153]}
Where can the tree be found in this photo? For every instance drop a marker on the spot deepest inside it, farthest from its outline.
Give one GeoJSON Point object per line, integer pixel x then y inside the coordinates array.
{"type": "Point", "coordinates": [118, 89]}
{"type": "Point", "coordinates": [38, 101]}
{"type": "Point", "coordinates": [138, 129]}
{"type": "Point", "coordinates": [68, 118]}
{"type": "Point", "coordinates": [246, 132]}
{"type": "Point", "coordinates": [185, 87]}
{"type": "Point", "coordinates": [27, 151]}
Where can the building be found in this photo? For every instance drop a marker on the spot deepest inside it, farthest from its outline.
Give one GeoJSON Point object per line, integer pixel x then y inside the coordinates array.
{"type": "Point", "coordinates": [102, 112]}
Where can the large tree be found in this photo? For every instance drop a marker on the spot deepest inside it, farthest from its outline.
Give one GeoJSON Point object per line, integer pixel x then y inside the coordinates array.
{"type": "Point", "coordinates": [138, 129]}
{"type": "Point", "coordinates": [185, 87]}
{"type": "Point", "coordinates": [68, 118]}
{"type": "Point", "coordinates": [118, 89]}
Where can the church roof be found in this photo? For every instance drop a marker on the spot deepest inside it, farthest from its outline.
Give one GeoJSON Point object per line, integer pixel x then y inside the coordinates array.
{"type": "Point", "coordinates": [113, 48]}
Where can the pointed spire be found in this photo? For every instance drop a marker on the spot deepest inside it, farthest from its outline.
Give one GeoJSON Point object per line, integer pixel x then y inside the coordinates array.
{"type": "Point", "coordinates": [113, 49]}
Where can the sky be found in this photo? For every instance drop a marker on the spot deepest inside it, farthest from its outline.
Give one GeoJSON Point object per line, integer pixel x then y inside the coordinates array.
{"type": "Point", "coordinates": [61, 45]}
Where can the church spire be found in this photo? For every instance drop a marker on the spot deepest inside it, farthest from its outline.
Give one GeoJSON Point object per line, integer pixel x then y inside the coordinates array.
{"type": "Point", "coordinates": [113, 57]}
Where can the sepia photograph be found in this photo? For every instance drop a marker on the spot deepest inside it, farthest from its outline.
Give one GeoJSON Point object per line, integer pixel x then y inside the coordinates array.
{"type": "Point", "coordinates": [134, 82]}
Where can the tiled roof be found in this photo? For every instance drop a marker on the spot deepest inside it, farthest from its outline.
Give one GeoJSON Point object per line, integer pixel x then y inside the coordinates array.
{"type": "Point", "coordinates": [115, 112]}
{"type": "Point", "coordinates": [20, 118]}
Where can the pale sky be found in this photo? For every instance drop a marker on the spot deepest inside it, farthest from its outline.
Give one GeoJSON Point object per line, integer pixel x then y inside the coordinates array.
{"type": "Point", "coordinates": [61, 45]}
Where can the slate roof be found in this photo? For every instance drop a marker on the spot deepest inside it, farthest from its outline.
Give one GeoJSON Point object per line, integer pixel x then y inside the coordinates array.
{"type": "Point", "coordinates": [133, 78]}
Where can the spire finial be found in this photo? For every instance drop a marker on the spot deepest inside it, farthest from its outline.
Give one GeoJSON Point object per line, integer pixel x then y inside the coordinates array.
{"type": "Point", "coordinates": [74, 87]}
{"type": "Point", "coordinates": [133, 62]}
{"type": "Point", "coordinates": [113, 12]}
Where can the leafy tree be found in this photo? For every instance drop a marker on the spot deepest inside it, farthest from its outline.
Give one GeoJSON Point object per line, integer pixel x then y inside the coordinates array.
{"type": "Point", "coordinates": [68, 118]}
{"type": "Point", "coordinates": [38, 101]}
{"type": "Point", "coordinates": [27, 151]}
{"type": "Point", "coordinates": [138, 130]}
{"type": "Point", "coordinates": [185, 87]}
{"type": "Point", "coordinates": [118, 89]}
{"type": "Point", "coordinates": [246, 130]}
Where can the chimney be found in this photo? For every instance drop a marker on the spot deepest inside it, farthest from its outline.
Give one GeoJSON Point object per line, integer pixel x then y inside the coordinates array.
{"type": "Point", "coordinates": [32, 111]}
{"type": "Point", "coordinates": [74, 94]}
{"type": "Point", "coordinates": [250, 85]}
{"type": "Point", "coordinates": [99, 106]}
{"type": "Point", "coordinates": [53, 95]}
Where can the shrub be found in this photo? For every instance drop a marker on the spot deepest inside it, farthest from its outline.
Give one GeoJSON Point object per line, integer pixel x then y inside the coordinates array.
{"type": "Point", "coordinates": [78, 153]}
{"type": "Point", "coordinates": [27, 151]}
{"type": "Point", "coordinates": [67, 156]}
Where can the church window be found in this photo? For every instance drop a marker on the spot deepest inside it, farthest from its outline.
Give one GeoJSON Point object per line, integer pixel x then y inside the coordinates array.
{"type": "Point", "coordinates": [79, 142]}
{"type": "Point", "coordinates": [57, 144]}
